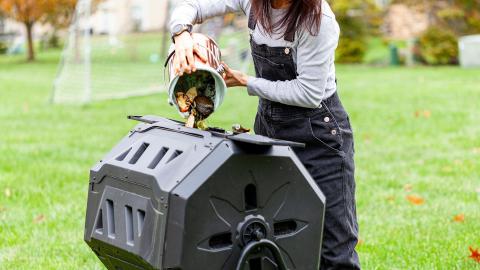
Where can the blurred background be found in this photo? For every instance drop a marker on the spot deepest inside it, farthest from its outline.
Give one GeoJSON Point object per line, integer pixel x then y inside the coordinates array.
{"type": "Point", "coordinates": [408, 73]}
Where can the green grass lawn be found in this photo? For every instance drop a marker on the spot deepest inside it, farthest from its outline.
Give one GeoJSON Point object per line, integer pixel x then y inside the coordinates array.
{"type": "Point", "coordinates": [417, 133]}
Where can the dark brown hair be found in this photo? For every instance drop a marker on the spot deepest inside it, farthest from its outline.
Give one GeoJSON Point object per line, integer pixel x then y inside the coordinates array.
{"type": "Point", "coordinates": [301, 14]}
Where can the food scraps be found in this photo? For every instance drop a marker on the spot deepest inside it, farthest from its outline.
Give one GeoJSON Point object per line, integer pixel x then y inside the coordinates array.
{"type": "Point", "coordinates": [183, 102]}
{"type": "Point", "coordinates": [192, 93]}
{"type": "Point", "coordinates": [240, 129]}
{"type": "Point", "coordinates": [198, 106]}
{"type": "Point", "coordinates": [203, 106]}
{"type": "Point", "coordinates": [190, 121]}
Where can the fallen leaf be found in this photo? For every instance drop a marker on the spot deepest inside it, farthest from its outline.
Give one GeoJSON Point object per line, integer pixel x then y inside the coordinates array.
{"type": "Point", "coordinates": [367, 138]}
{"type": "Point", "coordinates": [8, 192]}
{"type": "Point", "coordinates": [415, 199]}
{"type": "Point", "coordinates": [391, 198]}
{"type": "Point", "coordinates": [459, 218]}
{"type": "Point", "coordinates": [39, 219]}
{"type": "Point", "coordinates": [447, 169]}
{"type": "Point", "coordinates": [408, 187]}
{"type": "Point", "coordinates": [417, 114]}
{"type": "Point", "coordinates": [26, 107]}
{"type": "Point", "coordinates": [360, 242]}
{"type": "Point", "coordinates": [427, 114]}
{"type": "Point", "coordinates": [474, 254]}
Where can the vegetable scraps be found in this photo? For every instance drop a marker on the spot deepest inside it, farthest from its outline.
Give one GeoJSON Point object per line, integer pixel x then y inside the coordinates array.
{"type": "Point", "coordinates": [198, 106]}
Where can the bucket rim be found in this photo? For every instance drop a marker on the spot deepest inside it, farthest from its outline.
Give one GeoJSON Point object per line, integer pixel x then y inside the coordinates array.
{"type": "Point", "coordinates": [218, 98]}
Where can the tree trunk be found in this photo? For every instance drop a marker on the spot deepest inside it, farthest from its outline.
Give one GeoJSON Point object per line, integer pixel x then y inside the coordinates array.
{"type": "Point", "coordinates": [31, 50]}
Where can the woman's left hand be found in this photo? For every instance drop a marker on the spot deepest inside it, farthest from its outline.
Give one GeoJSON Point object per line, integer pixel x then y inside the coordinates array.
{"type": "Point", "coordinates": [234, 77]}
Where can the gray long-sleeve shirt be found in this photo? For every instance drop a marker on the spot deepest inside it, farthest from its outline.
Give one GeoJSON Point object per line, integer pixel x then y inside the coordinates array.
{"type": "Point", "coordinates": [314, 55]}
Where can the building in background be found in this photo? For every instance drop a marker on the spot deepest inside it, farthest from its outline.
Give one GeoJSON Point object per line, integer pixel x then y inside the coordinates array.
{"type": "Point", "coordinates": [113, 17]}
{"type": "Point", "coordinates": [125, 16]}
{"type": "Point", "coordinates": [403, 22]}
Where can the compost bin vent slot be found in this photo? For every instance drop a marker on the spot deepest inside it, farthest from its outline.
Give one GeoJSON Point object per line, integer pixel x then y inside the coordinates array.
{"type": "Point", "coordinates": [220, 241]}
{"type": "Point", "coordinates": [129, 224]}
{"type": "Point", "coordinates": [139, 153]}
{"type": "Point", "coordinates": [123, 155]}
{"type": "Point", "coordinates": [158, 158]}
{"type": "Point", "coordinates": [284, 227]}
{"type": "Point", "coordinates": [250, 197]}
{"type": "Point", "coordinates": [141, 221]}
{"type": "Point", "coordinates": [175, 154]}
{"type": "Point", "coordinates": [99, 223]}
{"type": "Point", "coordinates": [110, 219]}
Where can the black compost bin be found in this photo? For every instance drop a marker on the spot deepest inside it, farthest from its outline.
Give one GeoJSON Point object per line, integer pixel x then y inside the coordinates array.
{"type": "Point", "coordinates": [170, 197]}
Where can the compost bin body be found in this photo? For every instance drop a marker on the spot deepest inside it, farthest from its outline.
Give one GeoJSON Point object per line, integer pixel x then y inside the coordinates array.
{"type": "Point", "coordinates": [169, 197]}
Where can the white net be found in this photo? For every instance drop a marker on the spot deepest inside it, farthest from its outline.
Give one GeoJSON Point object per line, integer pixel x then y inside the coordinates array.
{"type": "Point", "coordinates": [117, 49]}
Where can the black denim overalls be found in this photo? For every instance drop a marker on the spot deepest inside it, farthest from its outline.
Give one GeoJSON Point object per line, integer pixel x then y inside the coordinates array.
{"type": "Point", "coordinates": [328, 155]}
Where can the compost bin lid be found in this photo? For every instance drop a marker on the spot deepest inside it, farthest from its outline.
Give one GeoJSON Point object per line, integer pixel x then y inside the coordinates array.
{"type": "Point", "coordinates": [242, 138]}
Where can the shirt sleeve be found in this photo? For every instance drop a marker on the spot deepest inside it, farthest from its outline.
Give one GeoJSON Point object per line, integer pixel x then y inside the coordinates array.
{"type": "Point", "coordinates": [315, 57]}
{"type": "Point", "coordinates": [197, 11]}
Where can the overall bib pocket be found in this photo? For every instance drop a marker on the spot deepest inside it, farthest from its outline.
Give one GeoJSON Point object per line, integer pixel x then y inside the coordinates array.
{"type": "Point", "coordinates": [271, 70]}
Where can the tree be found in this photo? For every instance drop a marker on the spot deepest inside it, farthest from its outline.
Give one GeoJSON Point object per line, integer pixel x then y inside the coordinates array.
{"type": "Point", "coordinates": [60, 15]}
{"type": "Point", "coordinates": [27, 12]}
{"type": "Point", "coordinates": [57, 13]}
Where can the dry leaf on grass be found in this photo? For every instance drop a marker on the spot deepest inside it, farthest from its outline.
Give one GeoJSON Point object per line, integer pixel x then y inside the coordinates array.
{"type": "Point", "coordinates": [8, 192]}
{"type": "Point", "coordinates": [427, 114]}
{"type": "Point", "coordinates": [39, 219]}
{"type": "Point", "coordinates": [459, 218]}
{"type": "Point", "coordinates": [26, 107]}
{"type": "Point", "coordinates": [474, 254]}
{"type": "Point", "coordinates": [423, 113]}
{"type": "Point", "coordinates": [408, 187]}
{"type": "Point", "coordinates": [367, 138]}
{"type": "Point", "coordinates": [391, 198]}
{"type": "Point", "coordinates": [415, 199]}
{"type": "Point", "coordinates": [447, 169]}
{"type": "Point", "coordinates": [458, 162]}
{"type": "Point", "coordinates": [360, 242]}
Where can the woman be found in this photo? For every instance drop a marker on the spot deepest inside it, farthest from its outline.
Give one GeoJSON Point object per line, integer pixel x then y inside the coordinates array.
{"type": "Point", "coordinates": [293, 46]}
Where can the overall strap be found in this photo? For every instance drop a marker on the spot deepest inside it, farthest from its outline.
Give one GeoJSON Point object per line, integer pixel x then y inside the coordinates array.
{"type": "Point", "coordinates": [252, 24]}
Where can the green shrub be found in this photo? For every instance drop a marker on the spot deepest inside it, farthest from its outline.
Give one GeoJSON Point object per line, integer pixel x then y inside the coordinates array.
{"type": "Point", "coordinates": [358, 19]}
{"type": "Point", "coordinates": [352, 46]}
{"type": "Point", "coordinates": [351, 50]}
{"type": "Point", "coordinates": [3, 47]}
{"type": "Point", "coordinates": [438, 46]}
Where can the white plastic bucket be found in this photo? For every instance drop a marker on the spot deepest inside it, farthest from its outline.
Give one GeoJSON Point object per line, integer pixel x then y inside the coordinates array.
{"type": "Point", "coordinates": [212, 67]}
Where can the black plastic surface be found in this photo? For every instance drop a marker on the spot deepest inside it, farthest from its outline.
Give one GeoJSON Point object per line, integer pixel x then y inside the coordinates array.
{"type": "Point", "coordinates": [170, 197]}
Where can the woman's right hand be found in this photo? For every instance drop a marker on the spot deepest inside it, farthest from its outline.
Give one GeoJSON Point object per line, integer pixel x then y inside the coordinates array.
{"type": "Point", "coordinates": [185, 48]}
